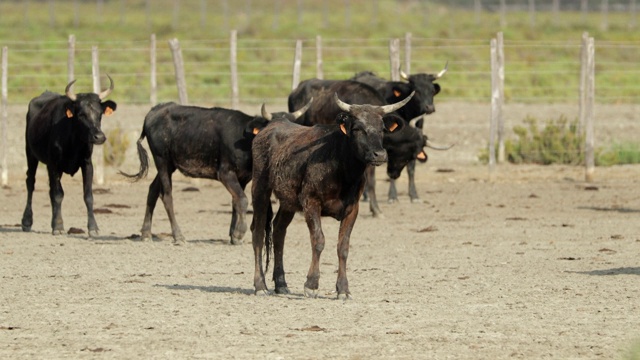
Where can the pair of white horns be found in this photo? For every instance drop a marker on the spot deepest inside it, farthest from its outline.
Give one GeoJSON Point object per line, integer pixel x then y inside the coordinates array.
{"type": "Point", "coordinates": [437, 76]}
{"type": "Point", "coordinates": [71, 95]}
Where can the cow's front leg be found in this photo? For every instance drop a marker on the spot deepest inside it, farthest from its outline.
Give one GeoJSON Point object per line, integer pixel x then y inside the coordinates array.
{"type": "Point", "coordinates": [393, 192]}
{"type": "Point", "coordinates": [239, 203]}
{"type": "Point", "coordinates": [280, 224]}
{"type": "Point", "coordinates": [56, 194]}
{"type": "Point", "coordinates": [32, 167]}
{"type": "Point", "coordinates": [312, 216]}
{"type": "Point", "coordinates": [346, 226]}
{"type": "Point", "coordinates": [411, 172]}
{"type": "Point", "coordinates": [371, 190]}
{"type": "Point", "coordinates": [87, 187]}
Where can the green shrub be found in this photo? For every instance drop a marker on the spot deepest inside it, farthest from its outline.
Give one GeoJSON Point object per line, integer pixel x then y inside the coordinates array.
{"type": "Point", "coordinates": [115, 147]}
{"type": "Point", "coordinates": [619, 154]}
{"type": "Point", "coordinates": [558, 142]}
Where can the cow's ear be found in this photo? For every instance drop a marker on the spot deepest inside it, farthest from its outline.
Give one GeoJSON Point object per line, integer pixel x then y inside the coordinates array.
{"type": "Point", "coordinates": [69, 114]}
{"type": "Point", "coordinates": [254, 127]}
{"type": "Point", "coordinates": [436, 89]}
{"type": "Point", "coordinates": [422, 156]}
{"type": "Point", "coordinates": [342, 119]}
{"type": "Point", "coordinates": [393, 123]}
{"type": "Point", "coordinates": [108, 107]}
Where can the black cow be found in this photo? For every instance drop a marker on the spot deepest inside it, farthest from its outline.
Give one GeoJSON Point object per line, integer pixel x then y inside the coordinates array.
{"type": "Point", "coordinates": [403, 145]}
{"type": "Point", "coordinates": [61, 132]}
{"type": "Point", "coordinates": [426, 89]}
{"type": "Point", "coordinates": [212, 143]}
{"type": "Point", "coordinates": [319, 170]}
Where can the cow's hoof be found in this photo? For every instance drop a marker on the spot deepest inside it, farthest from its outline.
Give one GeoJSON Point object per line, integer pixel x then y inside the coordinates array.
{"type": "Point", "coordinates": [57, 232]}
{"type": "Point", "coordinates": [262, 293]}
{"type": "Point", "coordinates": [26, 228]}
{"type": "Point", "coordinates": [283, 290]}
{"type": "Point", "coordinates": [236, 241]}
{"type": "Point", "coordinates": [378, 215]}
{"type": "Point", "coordinates": [416, 201]}
{"type": "Point", "coordinates": [310, 293]}
{"type": "Point", "coordinates": [345, 297]}
{"type": "Point", "coordinates": [392, 201]}
{"type": "Point", "coordinates": [94, 233]}
{"type": "Point", "coordinates": [178, 240]}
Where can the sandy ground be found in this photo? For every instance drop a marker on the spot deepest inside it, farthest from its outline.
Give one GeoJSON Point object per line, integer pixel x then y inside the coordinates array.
{"type": "Point", "coordinates": [529, 263]}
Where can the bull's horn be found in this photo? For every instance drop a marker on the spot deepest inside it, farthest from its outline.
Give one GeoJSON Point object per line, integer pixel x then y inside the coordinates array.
{"type": "Point", "coordinates": [414, 122]}
{"type": "Point", "coordinates": [301, 112]}
{"type": "Point", "coordinates": [341, 104]}
{"type": "Point", "coordinates": [437, 147]}
{"type": "Point", "coordinates": [106, 93]}
{"type": "Point", "coordinates": [443, 71]}
{"type": "Point", "coordinates": [265, 114]}
{"type": "Point", "coordinates": [68, 91]}
{"type": "Point", "coordinates": [393, 107]}
{"type": "Point", "coordinates": [404, 75]}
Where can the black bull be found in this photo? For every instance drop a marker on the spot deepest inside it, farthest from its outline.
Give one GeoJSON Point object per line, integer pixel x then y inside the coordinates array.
{"type": "Point", "coordinates": [422, 103]}
{"type": "Point", "coordinates": [403, 145]}
{"type": "Point", "coordinates": [61, 131]}
{"type": "Point", "coordinates": [319, 170]}
{"type": "Point", "coordinates": [211, 143]}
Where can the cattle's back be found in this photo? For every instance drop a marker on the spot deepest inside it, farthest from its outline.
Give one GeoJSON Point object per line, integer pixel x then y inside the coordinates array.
{"type": "Point", "coordinates": [37, 103]}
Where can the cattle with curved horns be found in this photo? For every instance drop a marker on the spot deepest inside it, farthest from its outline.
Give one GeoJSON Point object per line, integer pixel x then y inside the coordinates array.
{"type": "Point", "coordinates": [403, 145]}
{"type": "Point", "coordinates": [320, 171]}
{"type": "Point", "coordinates": [61, 132]}
{"type": "Point", "coordinates": [422, 104]}
{"type": "Point", "coordinates": [211, 143]}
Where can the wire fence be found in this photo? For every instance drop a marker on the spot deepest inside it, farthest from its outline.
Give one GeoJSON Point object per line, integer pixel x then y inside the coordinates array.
{"type": "Point", "coordinates": [534, 71]}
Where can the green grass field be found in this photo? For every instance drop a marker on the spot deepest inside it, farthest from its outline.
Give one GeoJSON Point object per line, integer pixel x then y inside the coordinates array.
{"type": "Point", "coordinates": [542, 61]}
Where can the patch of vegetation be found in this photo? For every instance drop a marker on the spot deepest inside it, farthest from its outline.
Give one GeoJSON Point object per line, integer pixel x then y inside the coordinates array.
{"type": "Point", "coordinates": [115, 147]}
{"type": "Point", "coordinates": [560, 141]}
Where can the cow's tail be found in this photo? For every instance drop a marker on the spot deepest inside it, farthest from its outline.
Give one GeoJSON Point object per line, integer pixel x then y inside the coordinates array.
{"type": "Point", "coordinates": [268, 235]}
{"type": "Point", "coordinates": [144, 161]}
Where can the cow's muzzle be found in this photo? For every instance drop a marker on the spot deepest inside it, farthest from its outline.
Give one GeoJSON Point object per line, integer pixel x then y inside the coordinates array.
{"type": "Point", "coordinates": [98, 138]}
{"type": "Point", "coordinates": [378, 158]}
{"type": "Point", "coordinates": [430, 109]}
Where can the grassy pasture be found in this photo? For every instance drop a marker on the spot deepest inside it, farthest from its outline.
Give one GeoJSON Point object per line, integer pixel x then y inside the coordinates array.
{"type": "Point", "coordinates": [542, 59]}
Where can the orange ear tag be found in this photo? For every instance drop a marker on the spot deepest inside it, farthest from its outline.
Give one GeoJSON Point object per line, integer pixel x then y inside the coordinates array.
{"type": "Point", "coordinates": [393, 126]}
{"type": "Point", "coordinates": [69, 114]}
{"type": "Point", "coordinates": [256, 131]}
{"type": "Point", "coordinates": [108, 111]}
{"type": "Point", "coordinates": [421, 156]}
{"type": "Point", "coordinates": [396, 93]}
{"type": "Point", "coordinates": [344, 130]}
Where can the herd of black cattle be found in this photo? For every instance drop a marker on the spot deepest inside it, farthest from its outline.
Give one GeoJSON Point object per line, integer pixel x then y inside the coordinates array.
{"type": "Point", "coordinates": [317, 159]}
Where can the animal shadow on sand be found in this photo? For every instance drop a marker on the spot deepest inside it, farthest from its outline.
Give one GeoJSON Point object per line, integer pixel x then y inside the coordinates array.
{"type": "Point", "coordinates": [614, 271]}
{"type": "Point", "coordinates": [230, 290]}
{"type": "Point", "coordinates": [621, 210]}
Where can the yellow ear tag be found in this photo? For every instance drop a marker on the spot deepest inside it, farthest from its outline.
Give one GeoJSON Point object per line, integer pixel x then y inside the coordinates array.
{"type": "Point", "coordinates": [108, 111]}
{"type": "Point", "coordinates": [69, 114]}
{"type": "Point", "coordinates": [393, 126]}
{"type": "Point", "coordinates": [396, 93]}
{"type": "Point", "coordinates": [256, 131]}
{"type": "Point", "coordinates": [344, 130]}
{"type": "Point", "coordinates": [422, 156]}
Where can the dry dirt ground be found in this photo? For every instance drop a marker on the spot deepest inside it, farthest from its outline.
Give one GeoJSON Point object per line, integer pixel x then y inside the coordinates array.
{"type": "Point", "coordinates": [531, 263]}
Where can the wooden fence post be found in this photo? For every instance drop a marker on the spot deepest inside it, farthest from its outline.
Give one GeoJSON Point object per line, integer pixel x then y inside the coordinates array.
{"type": "Point", "coordinates": [583, 81]}
{"type": "Point", "coordinates": [407, 53]}
{"type": "Point", "coordinates": [394, 59]}
{"type": "Point", "coordinates": [495, 106]}
{"type": "Point", "coordinates": [319, 70]}
{"type": "Point", "coordinates": [233, 54]}
{"type": "Point", "coordinates": [297, 62]}
{"type": "Point", "coordinates": [71, 58]}
{"type": "Point", "coordinates": [178, 65]}
{"type": "Point", "coordinates": [153, 91]}
{"type": "Point", "coordinates": [98, 151]}
{"type": "Point", "coordinates": [590, 96]}
{"type": "Point", "coordinates": [500, 54]}
{"type": "Point", "coordinates": [5, 116]}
